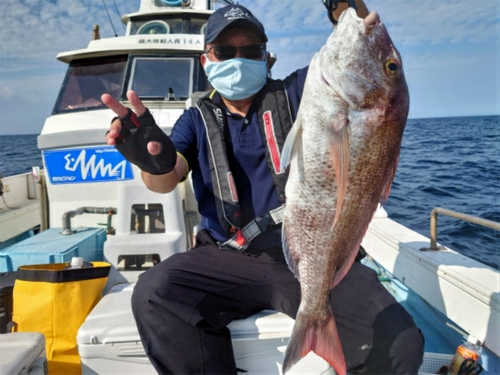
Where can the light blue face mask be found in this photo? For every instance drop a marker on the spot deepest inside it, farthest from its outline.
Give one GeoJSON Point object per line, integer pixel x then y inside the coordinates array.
{"type": "Point", "coordinates": [237, 78]}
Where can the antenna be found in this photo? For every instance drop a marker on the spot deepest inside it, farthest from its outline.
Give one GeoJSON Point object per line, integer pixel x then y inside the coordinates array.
{"type": "Point", "coordinates": [118, 12]}
{"type": "Point", "coordinates": [225, 2]}
{"type": "Point", "coordinates": [111, 22]}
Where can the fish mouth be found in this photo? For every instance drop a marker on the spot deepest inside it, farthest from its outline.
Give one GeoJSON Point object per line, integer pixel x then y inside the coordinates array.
{"type": "Point", "coordinates": [367, 24]}
{"type": "Point", "coordinates": [371, 21]}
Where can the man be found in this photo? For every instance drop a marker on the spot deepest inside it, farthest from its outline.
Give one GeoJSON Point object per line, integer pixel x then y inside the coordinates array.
{"type": "Point", "coordinates": [183, 305]}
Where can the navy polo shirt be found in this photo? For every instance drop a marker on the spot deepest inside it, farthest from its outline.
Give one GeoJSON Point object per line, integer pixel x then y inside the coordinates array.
{"type": "Point", "coordinates": [247, 158]}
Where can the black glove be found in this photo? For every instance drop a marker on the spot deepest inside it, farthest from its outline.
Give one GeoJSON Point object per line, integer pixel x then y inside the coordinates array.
{"type": "Point", "coordinates": [133, 140]}
{"type": "Point", "coordinates": [331, 6]}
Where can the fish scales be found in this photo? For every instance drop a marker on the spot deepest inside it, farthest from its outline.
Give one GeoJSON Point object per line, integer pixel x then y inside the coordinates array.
{"type": "Point", "coordinates": [342, 152]}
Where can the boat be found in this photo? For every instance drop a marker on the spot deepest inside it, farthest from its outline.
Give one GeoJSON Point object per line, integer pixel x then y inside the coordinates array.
{"type": "Point", "coordinates": [87, 195]}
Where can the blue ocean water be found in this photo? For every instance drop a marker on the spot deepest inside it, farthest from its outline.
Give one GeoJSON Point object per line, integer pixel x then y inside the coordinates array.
{"type": "Point", "coordinates": [452, 163]}
{"type": "Point", "coordinates": [18, 153]}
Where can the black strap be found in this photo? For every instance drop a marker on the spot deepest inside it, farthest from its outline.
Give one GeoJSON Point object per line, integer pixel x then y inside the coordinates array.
{"type": "Point", "coordinates": [241, 240]}
{"type": "Point", "coordinates": [275, 126]}
{"type": "Point", "coordinates": [226, 196]}
{"type": "Point", "coordinates": [55, 273]}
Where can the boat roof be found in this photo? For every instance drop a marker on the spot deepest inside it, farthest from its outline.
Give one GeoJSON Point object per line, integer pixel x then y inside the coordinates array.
{"type": "Point", "coordinates": [143, 43]}
{"type": "Point", "coordinates": [136, 44]}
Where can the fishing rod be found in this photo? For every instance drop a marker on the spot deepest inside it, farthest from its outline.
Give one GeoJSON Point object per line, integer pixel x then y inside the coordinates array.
{"type": "Point", "coordinates": [110, 21]}
{"type": "Point", "coordinates": [118, 12]}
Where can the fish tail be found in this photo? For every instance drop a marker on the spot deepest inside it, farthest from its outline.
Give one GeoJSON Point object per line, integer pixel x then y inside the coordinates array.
{"type": "Point", "coordinates": [320, 337]}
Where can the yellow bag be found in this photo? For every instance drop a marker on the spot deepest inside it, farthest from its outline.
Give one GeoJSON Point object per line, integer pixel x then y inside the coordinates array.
{"type": "Point", "coordinates": [54, 301]}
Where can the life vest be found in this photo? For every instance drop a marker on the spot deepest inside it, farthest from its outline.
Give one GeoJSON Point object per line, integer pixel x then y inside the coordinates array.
{"type": "Point", "coordinates": [275, 119]}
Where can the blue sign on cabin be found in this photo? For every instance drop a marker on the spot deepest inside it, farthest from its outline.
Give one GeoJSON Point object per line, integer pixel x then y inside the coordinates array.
{"type": "Point", "coordinates": [81, 165]}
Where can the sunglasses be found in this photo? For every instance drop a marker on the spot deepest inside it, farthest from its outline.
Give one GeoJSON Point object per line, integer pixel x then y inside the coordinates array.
{"type": "Point", "coordinates": [251, 51]}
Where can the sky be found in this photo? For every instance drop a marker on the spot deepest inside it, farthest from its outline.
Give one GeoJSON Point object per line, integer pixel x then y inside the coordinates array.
{"type": "Point", "coordinates": [450, 49]}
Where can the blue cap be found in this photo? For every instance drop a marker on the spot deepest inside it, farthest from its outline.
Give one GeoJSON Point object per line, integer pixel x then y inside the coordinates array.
{"type": "Point", "coordinates": [235, 15]}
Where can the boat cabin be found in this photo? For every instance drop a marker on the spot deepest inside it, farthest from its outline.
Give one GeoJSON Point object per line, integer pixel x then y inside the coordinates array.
{"type": "Point", "coordinates": [158, 57]}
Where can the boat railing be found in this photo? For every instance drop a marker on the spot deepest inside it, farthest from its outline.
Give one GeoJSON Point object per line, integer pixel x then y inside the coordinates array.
{"type": "Point", "coordinates": [457, 215]}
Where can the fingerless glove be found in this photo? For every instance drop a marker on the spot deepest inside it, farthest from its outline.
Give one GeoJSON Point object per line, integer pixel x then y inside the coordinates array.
{"type": "Point", "coordinates": [136, 133]}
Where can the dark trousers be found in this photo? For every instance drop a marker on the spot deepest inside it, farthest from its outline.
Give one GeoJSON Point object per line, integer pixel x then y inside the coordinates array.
{"type": "Point", "coordinates": [183, 305]}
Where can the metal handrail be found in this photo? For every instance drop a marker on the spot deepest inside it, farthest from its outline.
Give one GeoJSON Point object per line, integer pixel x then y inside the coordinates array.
{"type": "Point", "coordinates": [66, 218]}
{"type": "Point", "coordinates": [456, 215]}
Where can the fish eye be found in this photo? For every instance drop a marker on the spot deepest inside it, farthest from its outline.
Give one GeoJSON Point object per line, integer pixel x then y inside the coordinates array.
{"type": "Point", "coordinates": [391, 67]}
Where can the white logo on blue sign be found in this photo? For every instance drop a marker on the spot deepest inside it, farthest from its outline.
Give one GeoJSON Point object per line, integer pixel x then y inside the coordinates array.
{"type": "Point", "coordinates": [94, 164]}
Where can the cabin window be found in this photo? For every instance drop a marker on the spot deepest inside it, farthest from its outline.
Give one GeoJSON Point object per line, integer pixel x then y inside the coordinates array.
{"type": "Point", "coordinates": [162, 78]}
{"type": "Point", "coordinates": [85, 82]}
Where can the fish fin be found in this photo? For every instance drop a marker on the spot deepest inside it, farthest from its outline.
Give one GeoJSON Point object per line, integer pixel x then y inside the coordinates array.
{"type": "Point", "coordinates": [290, 146]}
{"type": "Point", "coordinates": [292, 264]}
{"type": "Point", "coordinates": [388, 183]}
{"type": "Point", "coordinates": [340, 274]}
{"type": "Point", "coordinates": [339, 150]}
{"type": "Point", "coordinates": [322, 338]}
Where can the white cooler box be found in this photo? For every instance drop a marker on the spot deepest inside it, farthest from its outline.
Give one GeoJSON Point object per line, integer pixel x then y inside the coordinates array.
{"type": "Point", "coordinates": [22, 353]}
{"type": "Point", "coordinates": [108, 341]}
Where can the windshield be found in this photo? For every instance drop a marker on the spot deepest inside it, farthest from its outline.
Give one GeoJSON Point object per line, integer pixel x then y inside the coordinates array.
{"type": "Point", "coordinates": [169, 78]}
{"type": "Point", "coordinates": [85, 82]}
